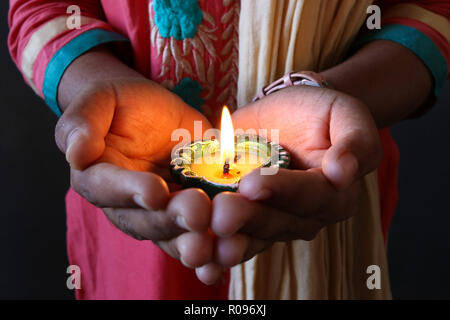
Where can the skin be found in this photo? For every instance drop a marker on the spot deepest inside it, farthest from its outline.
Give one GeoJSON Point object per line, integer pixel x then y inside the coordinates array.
{"type": "Point", "coordinates": [118, 144]}
{"type": "Point", "coordinates": [333, 139]}
{"type": "Point", "coordinates": [118, 165]}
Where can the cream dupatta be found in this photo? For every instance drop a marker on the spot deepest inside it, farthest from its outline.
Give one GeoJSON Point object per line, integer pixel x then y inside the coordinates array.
{"type": "Point", "coordinates": [278, 36]}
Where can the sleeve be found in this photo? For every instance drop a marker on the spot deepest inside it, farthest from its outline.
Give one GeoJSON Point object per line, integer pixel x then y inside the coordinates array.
{"type": "Point", "coordinates": [421, 26]}
{"type": "Point", "coordinates": [43, 44]}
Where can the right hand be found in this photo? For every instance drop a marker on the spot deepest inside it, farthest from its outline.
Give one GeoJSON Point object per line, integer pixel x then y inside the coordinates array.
{"type": "Point", "coordinates": [117, 138]}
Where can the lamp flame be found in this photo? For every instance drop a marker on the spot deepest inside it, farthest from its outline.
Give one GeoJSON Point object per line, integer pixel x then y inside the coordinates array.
{"type": "Point", "coordinates": [226, 137]}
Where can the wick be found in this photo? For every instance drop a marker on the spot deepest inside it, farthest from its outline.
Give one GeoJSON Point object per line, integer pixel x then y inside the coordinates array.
{"type": "Point", "coordinates": [226, 168]}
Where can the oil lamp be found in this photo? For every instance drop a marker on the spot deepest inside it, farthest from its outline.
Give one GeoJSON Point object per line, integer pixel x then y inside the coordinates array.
{"type": "Point", "coordinates": [216, 166]}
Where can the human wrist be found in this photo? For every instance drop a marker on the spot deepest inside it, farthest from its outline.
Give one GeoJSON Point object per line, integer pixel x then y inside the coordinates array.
{"type": "Point", "coordinates": [387, 77]}
{"type": "Point", "coordinates": [88, 71]}
{"type": "Point", "coordinates": [292, 79]}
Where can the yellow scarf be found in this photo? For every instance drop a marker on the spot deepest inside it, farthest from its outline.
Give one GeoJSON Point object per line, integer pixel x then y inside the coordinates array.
{"type": "Point", "coordinates": [275, 37]}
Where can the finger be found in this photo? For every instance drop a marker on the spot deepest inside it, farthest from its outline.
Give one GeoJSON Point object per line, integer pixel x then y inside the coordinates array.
{"type": "Point", "coordinates": [234, 213]}
{"type": "Point", "coordinates": [186, 211]}
{"type": "Point", "coordinates": [237, 249]}
{"type": "Point", "coordinates": [355, 146]}
{"type": "Point", "coordinates": [194, 249]}
{"type": "Point", "coordinates": [306, 194]}
{"type": "Point", "coordinates": [142, 224]}
{"type": "Point", "coordinates": [192, 208]}
{"type": "Point", "coordinates": [163, 226]}
{"type": "Point", "coordinates": [303, 193]}
{"type": "Point", "coordinates": [107, 185]}
{"type": "Point", "coordinates": [81, 130]}
{"type": "Point", "coordinates": [209, 273]}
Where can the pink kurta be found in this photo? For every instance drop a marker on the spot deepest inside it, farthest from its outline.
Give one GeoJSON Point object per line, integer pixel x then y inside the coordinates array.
{"type": "Point", "coordinates": [114, 265]}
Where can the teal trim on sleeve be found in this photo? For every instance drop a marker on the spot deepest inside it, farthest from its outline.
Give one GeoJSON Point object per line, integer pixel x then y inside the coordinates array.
{"type": "Point", "coordinates": [417, 42]}
{"type": "Point", "coordinates": [66, 55]}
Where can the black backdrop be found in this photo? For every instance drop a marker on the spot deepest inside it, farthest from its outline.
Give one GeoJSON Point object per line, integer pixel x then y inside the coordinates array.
{"type": "Point", "coordinates": [34, 178]}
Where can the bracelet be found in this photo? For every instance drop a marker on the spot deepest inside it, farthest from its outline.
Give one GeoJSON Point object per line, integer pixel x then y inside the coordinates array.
{"type": "Point", "coordinates": [304, 78]}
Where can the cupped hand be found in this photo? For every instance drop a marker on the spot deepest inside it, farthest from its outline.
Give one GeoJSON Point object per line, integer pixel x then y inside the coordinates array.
{"type": "Point", "coordinates": [333, 142]}
{"type": "Point", "coordinates": [117, 138]}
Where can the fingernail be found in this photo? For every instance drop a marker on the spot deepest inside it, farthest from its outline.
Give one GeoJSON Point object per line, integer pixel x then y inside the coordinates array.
{"type": "Point", "coordinates": [349, 164]}
{"type": "Point", "coordinates": [181, 222]}
{"type": "Point", "coordinates": [262, 194]}
{"type": "Point", "coordinates": [185, 264]}
{"type": "Point", "coordinates": [139, 200]}
{"type": "Point", "coordinates": [70, 141]}
{"type": "Point", "coordinates": [344, 168]}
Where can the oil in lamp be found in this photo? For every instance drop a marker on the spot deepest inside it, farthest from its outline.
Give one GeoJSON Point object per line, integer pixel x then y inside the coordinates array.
{"type": "Point", "coordinates": [216, 166]}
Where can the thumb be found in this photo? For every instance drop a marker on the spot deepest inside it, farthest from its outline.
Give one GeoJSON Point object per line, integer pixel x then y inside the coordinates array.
{"type": "Point", "coordinates": [355, 146]}
{"type": "Point", "coordinates": [80, 132]}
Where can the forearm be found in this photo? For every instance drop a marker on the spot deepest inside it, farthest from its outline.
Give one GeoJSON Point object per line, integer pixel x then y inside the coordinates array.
{"type": "Point", "coordinates": [389, 78]}
{"type": "Point", "coordinates": [96, 65]}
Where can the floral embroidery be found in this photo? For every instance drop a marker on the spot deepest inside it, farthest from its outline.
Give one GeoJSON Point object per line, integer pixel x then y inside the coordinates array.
{"type": "Point", "coordinates": [210, 57]}
{"type": "Point", "coordinates": [198, 47]}
{"type": "Point", "coordinates": [177, 18]}
{"type": "Point", "coordinates": [230, 54]}
{"type": "Point", "coordinates": [190, 90]}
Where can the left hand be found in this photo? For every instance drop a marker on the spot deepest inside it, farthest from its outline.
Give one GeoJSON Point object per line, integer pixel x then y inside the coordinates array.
{"type": "Point", "coordinates": [333, 143]}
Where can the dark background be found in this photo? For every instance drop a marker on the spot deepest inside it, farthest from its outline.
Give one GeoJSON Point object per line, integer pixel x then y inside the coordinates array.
{"type": "Point", "coordinates": [34, 178]}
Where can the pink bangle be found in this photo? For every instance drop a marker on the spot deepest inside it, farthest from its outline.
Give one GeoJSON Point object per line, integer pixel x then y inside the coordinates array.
{"type": "Point", "coordinates": [304, 78]}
